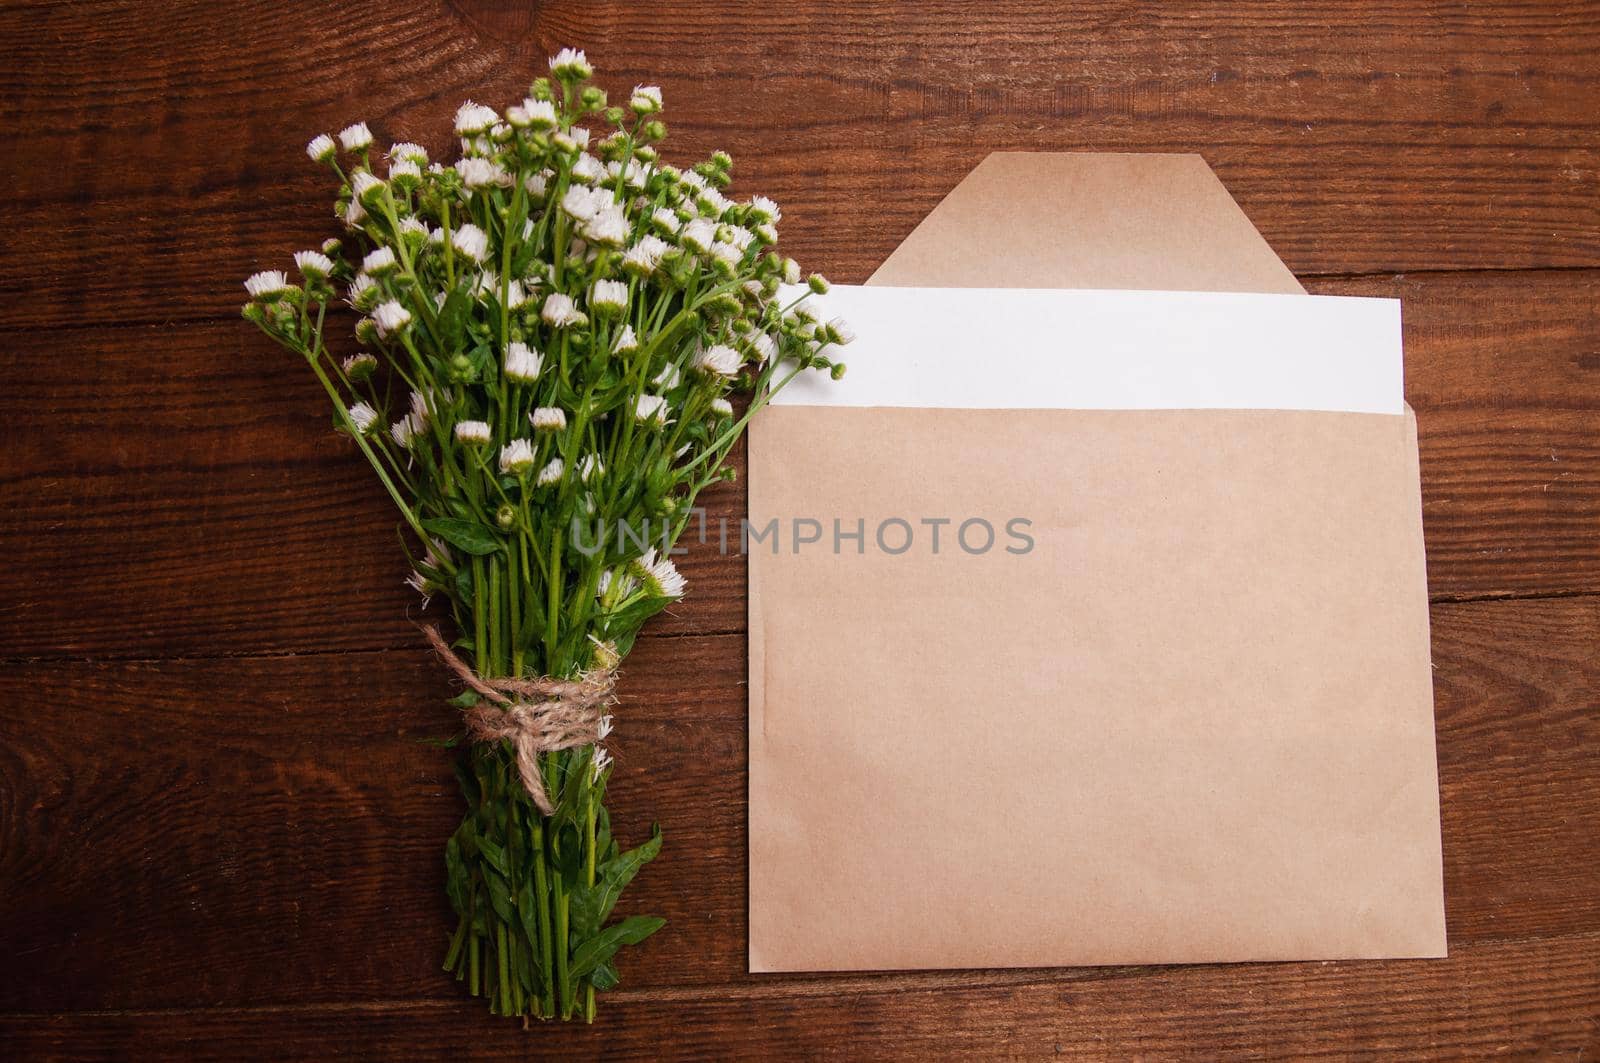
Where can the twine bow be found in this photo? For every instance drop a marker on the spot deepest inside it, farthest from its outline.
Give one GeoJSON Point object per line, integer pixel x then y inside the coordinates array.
{"type": "Point", "coordinates": [535, 715]}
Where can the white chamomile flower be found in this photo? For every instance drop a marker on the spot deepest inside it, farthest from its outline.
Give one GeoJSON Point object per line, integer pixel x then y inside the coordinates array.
{"type": "Point", "coordinates": [472, 433]}
{"type": "Point", "coordinates": [665, 219]}
{"type": "Point", "coordinates": [516, 457]}
{"type": "Point", "coordinates": [360, 366]}
{"type": "Point", "coordinates": [268, 284]}
{"type": "Point", "coordinates": [713, 203]}
{"type": "Point", "coordinates": [548, 419]}
{"type": "Point", "coordinates": [791, 271]}
{"type": "Point", "coordinates": [602, 761]}
{"type": "Point", "coordinates": [588, 168]}
{"type": "Point", "coordinates": [405, 431]}
{"type": "Point", "coordinates": [420, 583]}
{"type": "Point", "coordinates": [363, 292]}
{"type": "Point", "coordinates": [522, 363]}
{"type": "Point", "coordinates": [727, 254]}
{"type": "Point", "coordinates": [659, 575]}
{"type": "Point", "coordinates": [482, 173]}
{"type": "Point", "coordinates": [405, 151]}
{"type": "Point", "coordinates": [693, 180]}
{"type": "Point", "coordinates": [700, 235]}
{"type": "Point", "coordinates": [609, 295]}
{"type": "Point", "coordinates": [390, 317]}
{"type": "Point", "coordinates": [646, 99]}
{"type": "Point", "coordinates": [605, 726]}
{"type": "Point", "coordinates": [718, 360]}
{"type": "Point", "coordinates": [321, 148]}
{"type": "Point", "coordinates": [379, 260]}
{"type": "Point", "coordinates": [583, 202]}
{"type": "Point", "coordinates": [356, 137]}
{"type": "Point", "coordinates": [580, 137]}
{"type": "Point", "coordinates": [840, 332]}
{"type": "Point", "coordinates": [354, 214]}
{"type": "Point", "coordinates": [625, 584]}
{"type": "Point", "coordinates": [645, 256]}
{"type": "Point", "coordinates": [650, 409]}
{"type": "Point", "coordinates": [313, 265]}
{"type": "Point", "coordinates": [415, 227]}
{"type": "Point", "coordinates": [473, 118]}
{"type": "Point", "coordinates": [765, 346]}
{"type": "Point", "coordinates": [536, 184]}
{"type": "Point", "coordinates": [722, 407]}
{"type": "Point", "coordinates": [541, 115]}
{"type": "Point", "coordinates": [590, 466]}
{"type": "Point", "coordinates": [668, 378]}
{"type": "Point", "coordinates": [365, 187]}
{"type": "Point", "coordinates": [405, 173]}
{"type": "Point", "coordinates": [764, 211]}
{"type": "Point", "coordinates": [552, 473]}
{"type": "Point", "coordinates": [560, 312]}
{"type": "Point", "coordinates": [421, 407]}
{"type": "Point", "coordinates": [363, 417]}
{"type": "Point", "coordinates": [471, 241]}
{"type": "Point", "coordinates": [626, 342]}
{"type": "Point", "coordinates": [608, 227]}
{"type": "Point", "coordinates": [516, 295]}
{"type": "Point", "coordinates": [570, 64]}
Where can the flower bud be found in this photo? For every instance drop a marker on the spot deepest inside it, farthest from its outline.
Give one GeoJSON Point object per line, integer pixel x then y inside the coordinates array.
{"type": "Point", "coordinates": [505, 516]}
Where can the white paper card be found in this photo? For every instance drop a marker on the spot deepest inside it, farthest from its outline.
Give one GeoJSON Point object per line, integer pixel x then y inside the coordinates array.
{"type": "Point", "coordinates": [1035, 348]}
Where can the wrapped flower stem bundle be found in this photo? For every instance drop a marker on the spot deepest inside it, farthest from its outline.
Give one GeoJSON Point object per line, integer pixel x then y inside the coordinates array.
{"type": "Point", "coordinates": [551, 331]}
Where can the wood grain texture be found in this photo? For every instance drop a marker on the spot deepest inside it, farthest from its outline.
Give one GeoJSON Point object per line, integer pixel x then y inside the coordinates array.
{"type": "Point", "coordinates": [1514, 1000]}
{"type": "Point", "coordinates": [220, 822]}
{"type": "Point", "coordinates": [210, 508]}
{"type": "Point", "coordinates": [1358, 137]}
{"type": "Point", "coordinates": [281, 817]}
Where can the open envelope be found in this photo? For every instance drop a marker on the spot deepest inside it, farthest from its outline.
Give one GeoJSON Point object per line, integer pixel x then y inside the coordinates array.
{"type": "Point", "coordinates": [1192, 723]}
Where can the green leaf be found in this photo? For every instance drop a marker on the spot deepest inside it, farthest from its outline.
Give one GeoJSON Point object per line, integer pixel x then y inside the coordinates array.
{"type": "Point", "coordinates": [453, 319]}
{"type": "Point", "coordinates": [499, 894]}
{"type": "Point", "coordinates": [605, 976]}
{"type": "Point", "coordinates": [591, 906]}
{"type": "Point", "coordinates": [466, 535]}
{"type": "Point", "coordinates": [528, 911]}
{"type": "Point", "coordinates": [464, 700]}
{"type": "Point", "coordinates": [495, 855]}
{"type": "Point", "coordinates": [604, 945]}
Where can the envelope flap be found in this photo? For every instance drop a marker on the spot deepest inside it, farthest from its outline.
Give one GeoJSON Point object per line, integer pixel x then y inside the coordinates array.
{"type": "Point", "coordinates": [1088, 220]}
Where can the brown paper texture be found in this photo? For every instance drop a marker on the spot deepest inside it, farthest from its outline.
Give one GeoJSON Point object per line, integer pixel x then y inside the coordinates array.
{"type": "Point", "coordinates": [1193, 723]}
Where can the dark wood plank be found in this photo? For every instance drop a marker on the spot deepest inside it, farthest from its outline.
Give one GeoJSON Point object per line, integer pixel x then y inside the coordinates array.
{"type": "Point", "coordinates": [1411, 136]}
{"type": "Point", "coordinates": [1515, 1000]}
{"type": "Point", "coordinates": [210, 508]}
{"type": "Point", "coordinates": [268, 830]}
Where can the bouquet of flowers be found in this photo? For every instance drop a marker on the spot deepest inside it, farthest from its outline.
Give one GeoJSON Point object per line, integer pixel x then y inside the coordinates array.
{"type": "Point", "coordinates": [552, 331]}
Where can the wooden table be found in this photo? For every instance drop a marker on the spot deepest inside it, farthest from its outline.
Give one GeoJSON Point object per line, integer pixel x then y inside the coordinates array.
{"type": "Point", "coordinates": [220, 825]}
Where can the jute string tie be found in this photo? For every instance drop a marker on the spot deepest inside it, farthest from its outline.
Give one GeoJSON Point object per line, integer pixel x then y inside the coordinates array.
{"type": "Point", "coordinates": [536, 715]}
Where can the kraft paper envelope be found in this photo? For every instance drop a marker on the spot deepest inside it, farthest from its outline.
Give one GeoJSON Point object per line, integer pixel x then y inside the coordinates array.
{"type": "Point", "coordinates": [1193, 720]}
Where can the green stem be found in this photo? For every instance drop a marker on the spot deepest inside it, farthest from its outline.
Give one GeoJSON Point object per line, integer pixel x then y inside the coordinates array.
{"type": "Point", "coordinates": [559, 894]}
{"type": "Point", "coordinates": [541, 887]}
{"type": "Point", "coordinates": [588, 842]}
